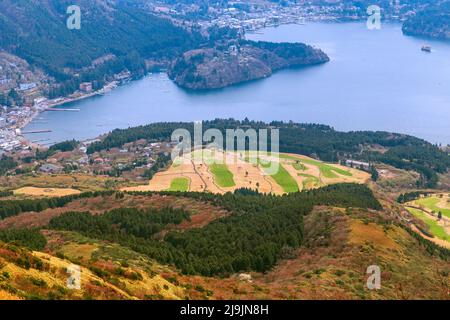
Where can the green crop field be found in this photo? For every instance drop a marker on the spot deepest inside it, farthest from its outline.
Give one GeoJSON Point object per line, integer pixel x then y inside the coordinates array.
{"type": "Point", "coordinates": [431, 203]}
{"type": "Point", "coordinates": [328, 171]}
{"type": "Point", "coordinates": [437, 230]}
{"type": "Point", "coordinates": [299, 166]}
{"type": "Point", "coordinates": [222, 176]}
{"type": "Point", "coordinates": [282, 177]}
{"type": "Point", "coordinates": [309, 181]}
{"type": "Point", "coordinates": [179, 184]}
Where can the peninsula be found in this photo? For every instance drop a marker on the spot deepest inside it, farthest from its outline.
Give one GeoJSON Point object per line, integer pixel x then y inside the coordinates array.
{"type": "Point", "coordinates": [239, 61]}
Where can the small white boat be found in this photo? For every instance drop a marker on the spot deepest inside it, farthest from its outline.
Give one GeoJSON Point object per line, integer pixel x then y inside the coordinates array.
{"type": "Point", "coordinates": [426, 48]}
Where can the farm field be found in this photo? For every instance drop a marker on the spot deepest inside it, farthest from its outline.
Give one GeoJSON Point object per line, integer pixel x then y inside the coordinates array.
{"type": "Point", "coordinates": [46, 192]}
{"type": "Point", "coordinates": [220, 172]}
{"type": "Point", "coordinates": [427, 209]}
{"type": "Point", "coordinates": [436, 204]}
{"type": "Point", "coordinates": [222, 176]}
{"type": "Point", "coordinates": [179, 184]}
{"type": "Point", "coordinates": [438, 229]}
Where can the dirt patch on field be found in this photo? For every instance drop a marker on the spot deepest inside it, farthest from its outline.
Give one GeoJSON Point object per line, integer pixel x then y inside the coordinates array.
{"type": "Point", "coordinates": [46, 192]}
{"type": "Point", "coordinates": [362, 233]}
{"type": "Point", "coordinates": [444, 202]}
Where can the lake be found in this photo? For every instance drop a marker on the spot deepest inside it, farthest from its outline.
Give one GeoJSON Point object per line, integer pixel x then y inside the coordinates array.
{"type": "Point", "coordinates": [376, 80]}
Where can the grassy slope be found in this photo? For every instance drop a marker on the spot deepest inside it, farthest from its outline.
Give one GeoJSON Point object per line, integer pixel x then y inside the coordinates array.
{"type": "Point", "coordinates": [285, 180]}
{"type": "Point", "coordinates": [434, 227]}
{"type": "Point", "coordinates": [327, 170]}
{"type": "Point", "coordinates": [310, 181]}
{"type": "Point", "coordinates": [432, 204]}
{"type": "Point", "coordinates": [124, 275]}
{"type": "Point", "coordinates": [179, 184]}
{"type": "Point", "coordinates": [281, 177]}
{"type": "Point", "coordinates": [222, 176]}
{"type": "Point", "coordinates": [339, 246]}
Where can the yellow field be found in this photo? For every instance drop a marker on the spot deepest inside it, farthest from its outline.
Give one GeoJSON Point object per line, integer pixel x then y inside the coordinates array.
{"type": "Point", "coordinates": [250, 171]}
{"type": "Point", "coordinates": [82, 182]}
{"type": "Point", "coordinates": [46, 192]}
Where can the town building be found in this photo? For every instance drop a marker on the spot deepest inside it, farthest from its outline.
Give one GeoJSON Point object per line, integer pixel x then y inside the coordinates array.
{"type": "Point", "coordinates": [86, 87]}
{"type": "Point", "coordinates": [357, 164]}
{"type": "Point", "coordinates": [50, 168]}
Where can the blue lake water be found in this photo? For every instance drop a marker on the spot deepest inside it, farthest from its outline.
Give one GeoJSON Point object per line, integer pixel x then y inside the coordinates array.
{"type": "Point", "coordinates": [376, 80]}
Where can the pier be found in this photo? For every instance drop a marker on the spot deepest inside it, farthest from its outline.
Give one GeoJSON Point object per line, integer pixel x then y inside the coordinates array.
{"type": "Point", "coordinates": [61, 109]}
{"type": "Point", "coordinates": [36, 131]}
{"type": "Point", "coordinates": [40, 141]}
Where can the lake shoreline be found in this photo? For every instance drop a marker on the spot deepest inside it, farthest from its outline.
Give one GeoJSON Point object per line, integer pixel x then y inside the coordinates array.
{"type": "Point", "coordinates": [328, 94]}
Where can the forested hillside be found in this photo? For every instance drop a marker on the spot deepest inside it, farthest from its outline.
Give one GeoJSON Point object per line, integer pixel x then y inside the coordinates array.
{"type": "Point", "coordinates": [36, 31]}
{"type": "Point", "coordinates": [433, 22]}
{"type": "Point", "coordinates": [214, 68]}
{"type": "Point", "coordinates": [309, 245]}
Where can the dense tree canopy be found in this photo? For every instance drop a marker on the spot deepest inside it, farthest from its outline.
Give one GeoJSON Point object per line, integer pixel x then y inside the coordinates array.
{"type": "Point", "coordinates": [31, 239]}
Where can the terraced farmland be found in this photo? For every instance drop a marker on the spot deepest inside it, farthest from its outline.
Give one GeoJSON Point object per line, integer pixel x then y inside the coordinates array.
{"type": "Point", "coordinates": [427, 211]}
{"type": "Point", "coordinates": [219, 172]}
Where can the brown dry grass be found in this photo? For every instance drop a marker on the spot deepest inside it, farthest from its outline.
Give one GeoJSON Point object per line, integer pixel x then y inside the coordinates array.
{"type": "Point", "coordinates": [4, 295]}
{"type": "Point", "coordinates": [46, 192]}
{"type": "Point", "coordinates": [82, 182]}
{"type": "Point", "coordinates": [361, 233]}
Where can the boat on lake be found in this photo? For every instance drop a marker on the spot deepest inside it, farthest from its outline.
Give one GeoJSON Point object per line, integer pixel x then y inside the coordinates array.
{"type": "Point", "coordinates": [426, 48]}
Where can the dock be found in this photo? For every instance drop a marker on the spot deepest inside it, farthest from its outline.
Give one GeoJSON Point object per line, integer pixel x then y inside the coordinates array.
{"type": "Point", "coordinates": [36, 131]}
{"type": "Point", "coordinates": [61, 109]}
{"type": "Point", "coordinates": [39, 141]}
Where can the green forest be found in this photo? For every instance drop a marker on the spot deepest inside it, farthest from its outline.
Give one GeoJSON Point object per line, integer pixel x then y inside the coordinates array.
{"type": "Point", "coordinates": [31, 239]}
{"type": "Point", "coordinates": [432, 22]}
{"type": "Point", "coordinates": [127, 34]}
{"type": "Point", "coordinates": [6, 164]}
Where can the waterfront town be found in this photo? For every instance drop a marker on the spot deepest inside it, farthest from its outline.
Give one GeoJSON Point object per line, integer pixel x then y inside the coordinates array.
{"type": "Point", "coordinates": [257, 14]}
